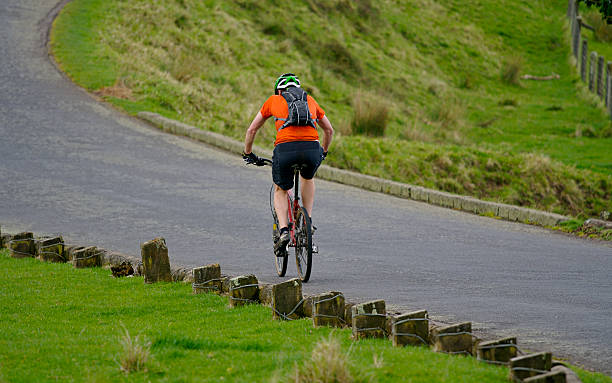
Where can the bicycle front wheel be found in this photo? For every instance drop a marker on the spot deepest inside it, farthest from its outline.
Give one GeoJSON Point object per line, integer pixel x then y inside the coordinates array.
{"type": "Point", "coordinates": [303, 245]}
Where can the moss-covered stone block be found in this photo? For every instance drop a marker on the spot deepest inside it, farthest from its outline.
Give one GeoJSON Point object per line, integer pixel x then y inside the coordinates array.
{"type": "Point", "coordinates": [86, 257]}
{"type": "Point", "coordinates": [410, 329]}
{"type": "Point", "coordinates": [523, 367]}
{"type": "Point", "coordinates": [155, 261]}
{"type": "Point", "coordinates": [549, 377]}
{"type": "Point", "coordinates": [287, 299]}
{"type": "Point", "coordinates": [51, 250]}
{"type": "Point", "coordinates": [328, 309]}
{"type": "Point", "coordinates": [454, 339]}
{"type": "Point", "coordinates": [497, 351]}
{"type": "Point", "coordinates": [243, 290]}
{"type": "Point", "coordinates": [207, 279]}
{"type": "Point", "coordinates": [22, 245]}
{"type": "Point", "coordinates": [369, 319]}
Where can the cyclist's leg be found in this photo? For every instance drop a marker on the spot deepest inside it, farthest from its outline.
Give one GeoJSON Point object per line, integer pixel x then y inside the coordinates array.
{"type": "Point", "coordinates": [282, 175]}
{"type": "Point", "coordinates": [308, 192]}
{"type": "Point", "coordinates": [281, 206]}
{"type": "Point", "coordinates": [311, 159]}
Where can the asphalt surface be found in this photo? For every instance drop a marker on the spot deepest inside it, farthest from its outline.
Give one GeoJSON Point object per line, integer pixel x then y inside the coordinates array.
{"type": "Point", "coordinates": [71, 165]}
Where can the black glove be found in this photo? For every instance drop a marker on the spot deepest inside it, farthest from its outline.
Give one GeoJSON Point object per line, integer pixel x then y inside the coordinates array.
{"type": "Point", "coordinates": [323, 156]}
{"type": "Point", "coordinates": [251, 158]}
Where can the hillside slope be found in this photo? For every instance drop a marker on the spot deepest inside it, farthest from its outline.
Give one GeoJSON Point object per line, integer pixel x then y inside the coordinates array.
{"type": "Point", "coordinates": [434, 69]}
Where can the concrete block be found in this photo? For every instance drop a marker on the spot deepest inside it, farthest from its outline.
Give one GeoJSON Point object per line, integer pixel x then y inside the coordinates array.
{"type": "Point", "coordinates": [155, 261]}
{"type": "Point", "coordinates": [51, 249]}
{"type": "Point", "coordinates": [328, 309]}
{"type": "Point", "coordinates": [455, 339]}
{"type": "Point", "coordinates": [22, 245]}
{"type": "Point", "coordinates": [410, 329]}
{"type": "Point", "coordinates": [243, 289]}
{"type": "Point", "coordinates": [182, 274]}
{"type": "Point", "coordinates": [503, 211]}
{"type": "Point", "coordinates": [441, 198]}
{"type": "Point", "coordinates": [523, 367]}
{"type": "Point", "coordinates": [570, 376]}
{"type": "Point", "coordinates": [86, 257]}
{"type": "Point", "coordinates": [69, 251]}
{"type": "Point", "coordinates": [369, 319]}
{"type": "Point", "coordinates": [513, 213]}
{"type": "Point", "coordinates": [419, 194]}
{"type": "Point", "coordinates": [497, 351]}
{"type": "Point", "coordinates": [287, 299]}
{"type": "Point", "coordinates": [549, 377]}
{"type": "Point", "coordinates": [207, 279]}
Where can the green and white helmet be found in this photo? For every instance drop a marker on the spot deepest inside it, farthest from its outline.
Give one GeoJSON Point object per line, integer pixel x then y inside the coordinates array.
{"type": "Point", "coordinates": [285, 81]}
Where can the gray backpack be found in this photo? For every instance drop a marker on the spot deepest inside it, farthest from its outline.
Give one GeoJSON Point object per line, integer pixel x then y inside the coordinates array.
{"type": "Point", "coordinates": [299, 114]}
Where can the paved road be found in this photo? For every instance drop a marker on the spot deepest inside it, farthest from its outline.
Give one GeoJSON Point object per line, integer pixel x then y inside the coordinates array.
{"type": "Point", "coordinates": [71, 165]}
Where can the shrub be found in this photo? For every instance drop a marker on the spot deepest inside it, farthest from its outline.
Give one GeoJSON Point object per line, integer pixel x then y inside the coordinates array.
{"type": "Point", "coordinates": [135, 353]}
{"type": "Point", "coordinates": [370, 116]}
{"type": "Point", "coordinates": [511, 70]}
{"type": "Point", "coordinates": [603, 31]}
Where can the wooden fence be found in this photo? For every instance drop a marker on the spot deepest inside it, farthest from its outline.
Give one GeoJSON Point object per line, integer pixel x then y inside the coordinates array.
{"type": "Point", "coordinates": [590, 65]}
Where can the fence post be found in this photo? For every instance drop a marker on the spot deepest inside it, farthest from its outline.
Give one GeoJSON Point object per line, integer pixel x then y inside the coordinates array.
{"type": "Point", "coordinates": [600, 77]}
{"type": "Point", "coordinates": [609, 87]}
{"type": "Point", "coordinates": [583, 60]}
{"type": "Point", "coordinates": [571, 9]}
{"type": "Point", "coordinates": [592, 68]}
{"type": "Point", "coordinates": [576, 32]}
{"type": "Point", "coordinates": [608, 83]}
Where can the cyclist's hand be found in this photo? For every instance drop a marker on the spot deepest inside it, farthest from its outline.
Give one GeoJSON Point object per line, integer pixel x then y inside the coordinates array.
{"type": "Point", "coordinates": [323, 156]}
{"type": "Point", "coordinates": [251, 158]}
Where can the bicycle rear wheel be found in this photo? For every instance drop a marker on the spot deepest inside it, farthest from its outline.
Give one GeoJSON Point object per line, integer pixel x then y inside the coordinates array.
{"type": "Point", "coordinates": [303, 245]}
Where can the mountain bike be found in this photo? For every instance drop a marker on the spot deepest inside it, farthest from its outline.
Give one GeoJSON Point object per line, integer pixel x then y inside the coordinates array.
{"type": "Point", "coordinates": [300, 230]}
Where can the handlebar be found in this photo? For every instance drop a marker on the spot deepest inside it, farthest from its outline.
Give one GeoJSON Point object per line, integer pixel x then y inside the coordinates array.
{"type": "Point", "coordinates": [264, 162]}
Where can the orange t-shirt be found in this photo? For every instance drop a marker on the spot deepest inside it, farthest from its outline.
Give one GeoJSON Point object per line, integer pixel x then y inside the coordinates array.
{"type": "Point", "coordinates": [277, 106]}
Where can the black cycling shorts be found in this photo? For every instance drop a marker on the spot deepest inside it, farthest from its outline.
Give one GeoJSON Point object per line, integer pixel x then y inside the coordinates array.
{"type": "Point", "coordinates": [287, 154]}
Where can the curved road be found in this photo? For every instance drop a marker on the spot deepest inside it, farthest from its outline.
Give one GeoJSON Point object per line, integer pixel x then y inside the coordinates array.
{"type": "Point", "coordinates": [71, 165]}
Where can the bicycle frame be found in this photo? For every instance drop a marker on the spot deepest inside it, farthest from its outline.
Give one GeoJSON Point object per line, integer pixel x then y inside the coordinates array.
{"type": "Point", "coordinates": [293, 203]}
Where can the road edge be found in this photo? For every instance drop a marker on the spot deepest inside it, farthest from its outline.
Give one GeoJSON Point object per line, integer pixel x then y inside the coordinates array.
{"type": "Point", "coordinates": [371, 183]}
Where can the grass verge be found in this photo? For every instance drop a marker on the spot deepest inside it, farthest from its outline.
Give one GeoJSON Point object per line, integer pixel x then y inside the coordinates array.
{"type": "Point", "coordinates": [436, 70]}
{"type": "Point", "coordinates": [59, 323]}
{"type": "Point", "coordinates": [67, 324]}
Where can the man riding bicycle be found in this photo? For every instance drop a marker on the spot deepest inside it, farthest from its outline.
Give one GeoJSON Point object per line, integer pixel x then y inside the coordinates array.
{"type": "Point", "coordinates": [296, 115]}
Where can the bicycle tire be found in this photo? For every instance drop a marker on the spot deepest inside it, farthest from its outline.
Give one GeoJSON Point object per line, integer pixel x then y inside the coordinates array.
{"type": "Point", "coordinates": [280, 263]}
{"type": "Point", "coordinates": [303, 245]}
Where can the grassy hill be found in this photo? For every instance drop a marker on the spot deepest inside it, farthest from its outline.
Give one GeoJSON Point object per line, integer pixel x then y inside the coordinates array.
{"type": "Point", "coordinates": [444, 76]}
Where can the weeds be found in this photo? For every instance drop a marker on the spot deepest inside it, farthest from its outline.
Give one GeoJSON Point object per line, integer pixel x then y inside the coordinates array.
{"type": "Point", "coordinates": [448, 112]}
{"type": "Point", "coordinates": [136, 352]}
{"type": "Point", "coordinates": [370, 116]}
{"type": "Point", "coordinates": [511, 70]}
{"type": "Point", "coordinates": [327, 364]}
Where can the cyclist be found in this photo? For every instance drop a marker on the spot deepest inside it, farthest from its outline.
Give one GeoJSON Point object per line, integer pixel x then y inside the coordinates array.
{"type": "Point", "coordinates": [297, 142]}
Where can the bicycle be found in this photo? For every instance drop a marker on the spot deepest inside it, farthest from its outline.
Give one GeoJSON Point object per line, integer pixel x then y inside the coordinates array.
{"type": "Point", "coordinates": [300, 230]}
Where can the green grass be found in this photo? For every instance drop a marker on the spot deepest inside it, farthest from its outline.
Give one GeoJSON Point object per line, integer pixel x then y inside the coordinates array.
{"type": "Point", "coordinates": [59, 323]}
{"type": "Point", "coordinates": [66, 324]}
{"type": "Point", "coordinates": [435, 67]}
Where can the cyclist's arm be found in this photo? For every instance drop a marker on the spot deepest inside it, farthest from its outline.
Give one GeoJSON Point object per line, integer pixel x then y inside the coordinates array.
{"type": "Point", "coordinates": [257, 123]}
{"type": "Point", "coordinates": [328, 132]}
